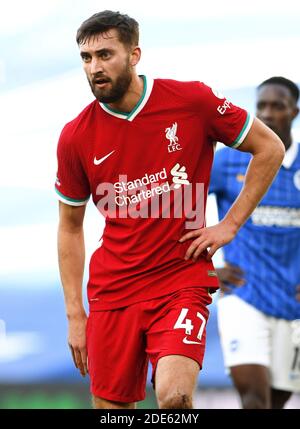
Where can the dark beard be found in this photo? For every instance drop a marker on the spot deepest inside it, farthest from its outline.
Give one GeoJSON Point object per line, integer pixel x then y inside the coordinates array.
{"type": "Point", "coordinates": [118, 89]}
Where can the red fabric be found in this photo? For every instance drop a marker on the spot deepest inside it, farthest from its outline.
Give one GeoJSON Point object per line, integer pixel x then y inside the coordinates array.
{"type": "Point", "coordinates": [121, 342]}
{"type": "Point", "coordinates": [141, 258]}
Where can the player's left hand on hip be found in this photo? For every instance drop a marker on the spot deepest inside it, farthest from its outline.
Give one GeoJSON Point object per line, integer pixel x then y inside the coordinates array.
{"type": "Point", "coordinates": [211, 238]}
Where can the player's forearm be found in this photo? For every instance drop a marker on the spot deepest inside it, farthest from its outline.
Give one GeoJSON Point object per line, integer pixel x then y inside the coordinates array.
{"type": "Point", "coordinates": [71, 253]}
{"type": "Point", "coordinates": [260, 174]}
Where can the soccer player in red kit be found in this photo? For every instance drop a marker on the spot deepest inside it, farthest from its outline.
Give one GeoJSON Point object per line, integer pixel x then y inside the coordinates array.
{"type": "Point", "coordinates": [143, 150]}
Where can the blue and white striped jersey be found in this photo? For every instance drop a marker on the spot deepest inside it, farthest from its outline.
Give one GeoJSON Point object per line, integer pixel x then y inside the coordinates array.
{"type": "Point", "coordinates": [267, 247]}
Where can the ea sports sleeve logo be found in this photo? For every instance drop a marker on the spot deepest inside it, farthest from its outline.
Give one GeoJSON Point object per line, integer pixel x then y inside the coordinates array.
{"type": "Point", "coordinates": [226, 105]}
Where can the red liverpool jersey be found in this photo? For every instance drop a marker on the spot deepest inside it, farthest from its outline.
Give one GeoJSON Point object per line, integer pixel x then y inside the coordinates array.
{"type": "Point", "coordinates": [148, 173]}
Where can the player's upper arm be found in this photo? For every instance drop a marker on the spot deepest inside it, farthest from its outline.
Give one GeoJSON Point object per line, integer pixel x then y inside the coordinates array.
{"type": "Point", "coordinates": [72, 183]}
{"type": "Point", "coordinates": [71, 217]}
{"type": "Point", "coordinates": [261, 138]}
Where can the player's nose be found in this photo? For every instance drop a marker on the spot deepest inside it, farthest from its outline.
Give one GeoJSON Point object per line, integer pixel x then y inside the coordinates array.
{"type": "Point", "coordinates": [96, 66]}
{"type": "Point", "coordinates": [267, 117]}
{"type": "Point", "coordinates": [266, 114]}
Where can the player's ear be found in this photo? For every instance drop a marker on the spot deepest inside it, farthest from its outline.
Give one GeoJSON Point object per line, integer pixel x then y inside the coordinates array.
{"type": "Point", "coordinates": [295, 112]}
{"type": "Point", "coordinates": [135, 56]}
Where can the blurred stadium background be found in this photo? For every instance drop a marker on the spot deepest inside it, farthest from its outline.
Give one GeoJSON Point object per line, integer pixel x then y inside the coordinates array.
{"type": "Point", "coordinates": [228, 45]}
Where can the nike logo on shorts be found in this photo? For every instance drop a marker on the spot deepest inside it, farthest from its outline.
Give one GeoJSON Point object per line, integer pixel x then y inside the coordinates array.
{"type": "Point", "coordinates": [99, 161]}
{"type": "Point", "coordinates": [186, 341]}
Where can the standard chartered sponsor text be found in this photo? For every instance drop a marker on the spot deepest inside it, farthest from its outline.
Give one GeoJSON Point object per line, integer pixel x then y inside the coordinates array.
{"type": "Point", "coordinates": [136, 183]}
{"type": "Point", "coordinates": [153, 196]}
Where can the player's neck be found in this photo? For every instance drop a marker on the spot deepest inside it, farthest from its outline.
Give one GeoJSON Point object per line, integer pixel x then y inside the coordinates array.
{"type": "Point", "coordinates": [287, 141]}
{"type": "Point", "coordinates": [132, 96]}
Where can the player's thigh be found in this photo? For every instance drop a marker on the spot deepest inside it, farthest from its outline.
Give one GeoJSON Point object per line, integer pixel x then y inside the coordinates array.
{"type": "Point", "coordinates": [176, 341]}
{"type": "Point", "coordinates": [175, 373]}
{"type": "Point", "coordinates": [252, 379]}
{"type": "Point", "coordinates": [279, 398]}
{"type": "Point", "coordinates": [103, 404]}
{"type": "Point", "coordinates": [245, 333]}
{"type": "Point", "coordinates": [285, 362]}
{"type": "Point", "coordinates": [117, 360]}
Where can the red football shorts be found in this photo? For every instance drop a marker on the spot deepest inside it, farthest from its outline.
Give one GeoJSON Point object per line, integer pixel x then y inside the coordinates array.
{"type": "Point", "coordinates": [121, 342]}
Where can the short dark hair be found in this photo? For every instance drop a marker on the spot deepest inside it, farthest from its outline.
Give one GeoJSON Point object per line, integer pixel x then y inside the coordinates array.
{"type": "Point", "coordinates": [101, 22]}
{"type": "Point", "coordinates": [279, 80]}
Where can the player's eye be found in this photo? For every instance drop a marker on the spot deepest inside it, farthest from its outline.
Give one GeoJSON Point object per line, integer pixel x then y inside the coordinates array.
{"type": "Point", "coordinates": [279, 106]}
{"type": "Point", "coordinates": [85, 58]}
{"type": "Point", "coordinates": [260, 106]}
{"type": "Point", "coordinates": [105, 55]}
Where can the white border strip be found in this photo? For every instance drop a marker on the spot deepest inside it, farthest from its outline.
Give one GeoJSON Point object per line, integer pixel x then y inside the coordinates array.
{"type": "Point", "coordinates": [69, 202]}
{"type": "Point", "coordinates": [117, 115]}
{"type": "Point", "coordinates": [150, 83]}
{"type": "Point", "coordinates": [245, 132]}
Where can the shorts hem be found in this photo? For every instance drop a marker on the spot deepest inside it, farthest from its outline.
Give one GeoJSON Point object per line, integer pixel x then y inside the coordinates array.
{"type": "Point", "coordinates": [180, 353]}
{"type": "Point", "coordinates": [116, 398]}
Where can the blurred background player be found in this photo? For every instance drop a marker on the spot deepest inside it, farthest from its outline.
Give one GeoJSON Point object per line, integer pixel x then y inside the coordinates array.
{"type": "Point", "coordinates": [257, 316]}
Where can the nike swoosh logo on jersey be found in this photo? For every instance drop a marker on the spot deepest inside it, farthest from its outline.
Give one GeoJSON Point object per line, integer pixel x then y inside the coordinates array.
{"type": "Point", "coordinates": [186, 341]}
{"type": "Point", "coordinates": [99, 161]}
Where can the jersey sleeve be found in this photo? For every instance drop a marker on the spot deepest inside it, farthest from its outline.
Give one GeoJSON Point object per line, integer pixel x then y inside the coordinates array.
{"type": "Point", "coordinates": [225, 122]}
{"type": "Point", "coordinates": [72, 185]}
